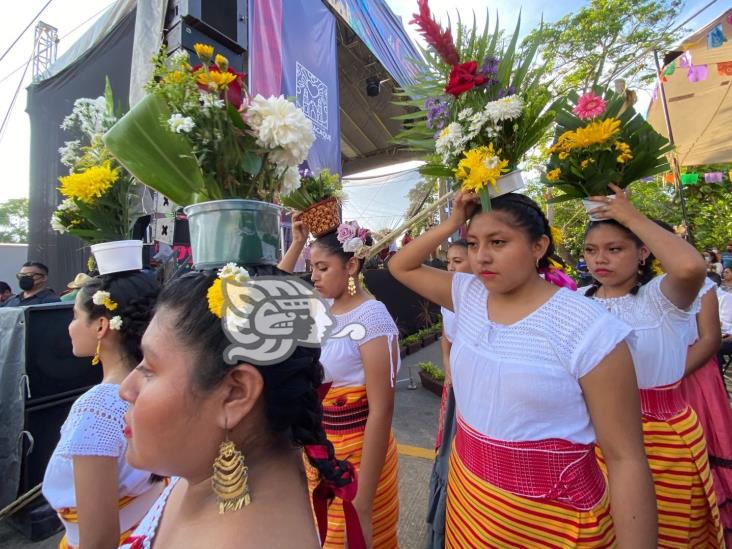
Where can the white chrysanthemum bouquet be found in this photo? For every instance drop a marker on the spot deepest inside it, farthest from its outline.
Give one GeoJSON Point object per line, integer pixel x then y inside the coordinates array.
{"type": "Point", "coordinates": [197, 135]}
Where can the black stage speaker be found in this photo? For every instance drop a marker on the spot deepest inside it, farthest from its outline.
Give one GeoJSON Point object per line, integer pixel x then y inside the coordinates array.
{"type": "Point", "coordinates": [52, 369]}
{"type": "Point", "coordinates": [221, 23]}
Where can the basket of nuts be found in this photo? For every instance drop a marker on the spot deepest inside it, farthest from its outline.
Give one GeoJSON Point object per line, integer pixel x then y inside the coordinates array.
{"type": "Point", "coordinates": [322, 217]}
{"type": "Point", "coordinates": [318, 198]}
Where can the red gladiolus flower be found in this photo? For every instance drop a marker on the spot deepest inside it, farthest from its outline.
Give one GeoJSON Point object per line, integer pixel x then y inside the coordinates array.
{"type": "Point", "coordinates": [464, 77]}
{"type": "Point", "coordinates": [235, 92]}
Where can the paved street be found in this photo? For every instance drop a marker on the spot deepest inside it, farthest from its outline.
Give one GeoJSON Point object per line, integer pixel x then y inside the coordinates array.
{"type": "Point", "coordinates": [415, 424]}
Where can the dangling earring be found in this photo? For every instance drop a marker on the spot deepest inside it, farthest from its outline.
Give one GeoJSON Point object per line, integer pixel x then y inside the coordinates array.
{"type": "Point", "coordinates": [230, 478]}
{"type": "Point", "coordinates": [641, 265]}
{"type": "Point", "coordinates": [95, 358]}
{"type": "Point", "coordinates": [351, 286]}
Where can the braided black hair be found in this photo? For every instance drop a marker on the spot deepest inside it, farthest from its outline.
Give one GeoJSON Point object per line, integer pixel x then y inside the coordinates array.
{"type": "Point", "coordinates": [135, 293]}
{"type": "Point", "coordinates": [330, 243]}
{"type": "Point", "coordinates": [528, 216]}
{"type": "Point", "coordinates": [645, 270]}
{"type": "Point", "coordinates": [291, 399]}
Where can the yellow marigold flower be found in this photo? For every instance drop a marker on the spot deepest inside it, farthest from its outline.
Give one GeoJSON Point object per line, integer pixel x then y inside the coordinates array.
{"type": "Point", "coordinates": [563, 155]}
{"type": "Point", "coordinates": [215, 81]}
{"type": "Point", "coordinates": [221, 62]}
{"type": "Point", "coordinates": [587, 162]}
{"type": "Point", "coordinates": [203, 51]}
{"type": "Point", "coordinates": [557, 236]}
{"type": "Point", "coordinates": [109, 304]}
{"type": "Point", "coordinates": [215, 297]}
{"type": "Point", "coordinates": [594, 133]}
{"type": "Point", "coordinates": [175, 77]}
{"type": "Point", "coordinates": [656, 267]}
{"type": "Point", "coordinates": [554, 174]}
{"type": "Point", "coordinates": [479, 167]}
{"type": "Point", "coordinates": [90, 184]}
{"type": "Point", "coordinates": [624, 150]}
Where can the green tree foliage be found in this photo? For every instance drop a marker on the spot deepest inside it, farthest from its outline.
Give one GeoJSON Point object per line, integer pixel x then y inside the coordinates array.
{"type": "Point", "coordinates": [420, 196]}
{"type": "Point", "coordinates": [14, 220]}
{"type": "Point", "coordinates": [596, 43]}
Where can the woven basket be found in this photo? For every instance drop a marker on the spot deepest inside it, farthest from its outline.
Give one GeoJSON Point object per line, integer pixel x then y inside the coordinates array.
{"type": "Point", "coordinates": [322, 217]}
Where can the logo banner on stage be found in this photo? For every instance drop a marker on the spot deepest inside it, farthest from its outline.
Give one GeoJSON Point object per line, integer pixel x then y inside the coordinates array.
{"type": "Point", "coordinates": [292, 51]}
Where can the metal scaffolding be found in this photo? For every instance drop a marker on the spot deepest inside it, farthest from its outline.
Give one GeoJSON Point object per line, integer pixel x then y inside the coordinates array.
{"type": "Point", "coordinates": [44, 50]}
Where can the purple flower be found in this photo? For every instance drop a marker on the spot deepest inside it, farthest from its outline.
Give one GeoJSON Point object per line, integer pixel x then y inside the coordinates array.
{"type": "Point", "coordinates": [505, 92]}
{"type": "Point", "coordinates": [305, 172]}
{"type": "Point", "coordinates": [490, 66]}
{"type": "Point", "coordinates": [437, 113]}
{"type": "Point", "coordinates": [346, 231]}
{"type": "Point", "coordinates": [363, 233]}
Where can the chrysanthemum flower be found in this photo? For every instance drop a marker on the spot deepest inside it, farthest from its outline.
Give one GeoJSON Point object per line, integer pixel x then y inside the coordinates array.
{"type": "Point", "coordinates": [553, 175]}
{"type": "Point", "coordinates": [480, 167]}
{"type": "Point", "coordinates": [203, 51]}
{"type": "Point", "coordinates": [90, 184]}
{"type": "Point", "coordinates": [215, 298]}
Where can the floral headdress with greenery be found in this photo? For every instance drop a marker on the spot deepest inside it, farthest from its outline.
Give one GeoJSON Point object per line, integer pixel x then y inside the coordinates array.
{"type": "Point", "coordinates": [601, 139]}
{"type": "Point", "coordinates": [198, 136]}
{"type": "Point", "coordinates": [492, 110]}
{"type": "Point", "coordinates": [101, 200]}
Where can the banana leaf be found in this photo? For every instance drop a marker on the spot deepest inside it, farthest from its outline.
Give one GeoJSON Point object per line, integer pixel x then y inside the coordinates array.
{"type": "Point", "coordinates": [149, 150]}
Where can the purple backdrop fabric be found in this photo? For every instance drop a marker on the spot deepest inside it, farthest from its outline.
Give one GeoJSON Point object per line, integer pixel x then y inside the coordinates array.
{"type": "Point", "coordinates": [296, 40]}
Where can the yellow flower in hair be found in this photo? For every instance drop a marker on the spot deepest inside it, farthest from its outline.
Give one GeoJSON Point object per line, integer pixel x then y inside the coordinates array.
{"type": "Point", "coordinates": [203, 51]}
{"type": "Point", "coordinates": [656, 267]}
{"type": "Point", "coordinates": [101, 297]}
{"type": "Point", "coordinates": [553, 175]}
{"type": "Point", "coordinates": [215, 297]}
{"type": "Point", "coordinates": [557, 236]}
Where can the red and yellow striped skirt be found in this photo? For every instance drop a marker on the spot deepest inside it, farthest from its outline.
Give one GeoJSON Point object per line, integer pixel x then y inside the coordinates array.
{"type": "Point", "coordinates": [480, 514]}
{"type": "Point", "coordinates": [69, 514]}
{"type": "Point", "coordinates": [688, 515]}
{"type": "Point", "coordinates": [344, 418]}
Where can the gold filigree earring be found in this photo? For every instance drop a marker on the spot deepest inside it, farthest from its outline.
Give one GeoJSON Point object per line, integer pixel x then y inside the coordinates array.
{"type": "Point", "coordinates": [230, 481]}
{"type": "Point", "coordinates": [351, 286]}
{"type": "Point", "coordinates": [95, 358]}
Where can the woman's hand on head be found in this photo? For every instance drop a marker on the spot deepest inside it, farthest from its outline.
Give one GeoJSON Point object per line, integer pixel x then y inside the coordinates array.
{"type": "Point", "coordinates": [617, 207]}
{"type": "Point", "coordinates": [300, 230]}
{"type": "Point", "coordinates": [463, 208]}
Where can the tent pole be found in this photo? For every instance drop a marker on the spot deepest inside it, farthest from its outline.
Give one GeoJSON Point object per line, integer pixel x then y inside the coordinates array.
{"type": "Point", "coordinates": [674, 160]}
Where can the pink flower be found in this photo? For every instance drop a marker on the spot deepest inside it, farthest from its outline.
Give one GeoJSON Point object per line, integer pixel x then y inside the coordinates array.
{"type": "Point", "coordinates": [589, 106]}
{"type": "Point", "coordinates": [346, 231]}
{"type": "Point", "coordinates": [363, 233]}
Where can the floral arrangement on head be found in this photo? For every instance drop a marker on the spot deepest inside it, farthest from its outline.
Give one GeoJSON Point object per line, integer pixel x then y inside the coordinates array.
{"type": "Point", "coordinates": [215, 295]}
{"type": "Point", "coordinates": [101, 200]}
{"type": "Point", "coordinates": [104, 299]}
{"type": "Point", "coordinates": [211, 140]}
{"type": "Point", "coordinates": [492, 110]}
{"type": "Point", "coordinates": [313, 189]}
{"type": "Point", "coordinates": [600, 140]}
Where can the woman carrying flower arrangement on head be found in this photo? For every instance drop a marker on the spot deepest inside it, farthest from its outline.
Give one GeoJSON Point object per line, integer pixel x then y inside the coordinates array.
{"type": "Point", "coordinates": [603, 145]}
{"type": "Point", "coordinates": [358, 408]}
{"type": "Point", "coordinates": [98, 495]}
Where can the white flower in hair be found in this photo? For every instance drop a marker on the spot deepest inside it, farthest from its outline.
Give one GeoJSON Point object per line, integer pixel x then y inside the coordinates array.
{"type": "Point", "coordinates": [352, 244]}
{"type": "Point", "coordinates": [115, 323]}
{"type": "Point", "coordinates": [231, 271]}
{"type": "Point", "coordinates": [100, 297]}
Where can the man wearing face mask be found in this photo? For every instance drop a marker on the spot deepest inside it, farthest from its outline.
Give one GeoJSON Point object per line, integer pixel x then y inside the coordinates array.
{"type": "Point", "coordinates": [32, 279]}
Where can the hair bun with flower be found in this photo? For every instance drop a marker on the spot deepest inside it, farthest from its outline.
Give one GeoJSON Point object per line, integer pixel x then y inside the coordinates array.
{"type": "Point", "coordinates": [230, 272]}
{"type": "Point", "coordinates": [354, 239]}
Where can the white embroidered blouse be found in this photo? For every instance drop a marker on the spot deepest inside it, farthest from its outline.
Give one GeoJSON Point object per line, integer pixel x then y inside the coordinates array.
{"type": "Point", "coordinates": [341, 357]}
{"type": "Point", "coordinates": [661, 332]}
{"type": "Point", "coordinates": [520, 382]}
{"type": "Point", "coordinates": [94, 427]}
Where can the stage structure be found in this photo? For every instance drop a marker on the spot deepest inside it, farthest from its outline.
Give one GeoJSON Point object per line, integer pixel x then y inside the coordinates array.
{"type": "Point", "coordinates": [369, 53]}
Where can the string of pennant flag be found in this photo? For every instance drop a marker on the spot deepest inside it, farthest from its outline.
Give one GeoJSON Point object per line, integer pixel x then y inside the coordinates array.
{"type": "Point", "coordinates": [695, 178]}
